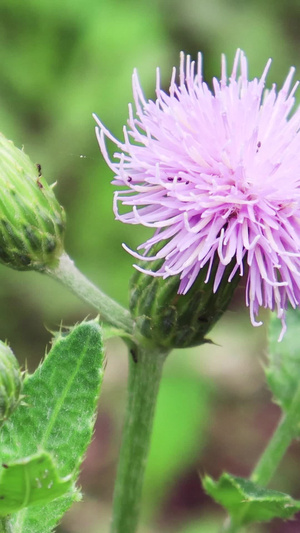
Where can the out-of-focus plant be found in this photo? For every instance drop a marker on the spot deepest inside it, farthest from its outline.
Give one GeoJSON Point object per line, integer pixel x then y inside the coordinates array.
{"type": "Point", "coordinates": [215, 173]}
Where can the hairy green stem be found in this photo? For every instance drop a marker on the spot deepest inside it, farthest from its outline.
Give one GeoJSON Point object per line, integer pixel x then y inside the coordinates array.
{"type": "Point", "coordinates": [110, 311]}
{"type": "Point", "coordinates": [286, 431]}
{"type": "Point", "coordinates": [282, 437]}
{"type": "Point", "coordinates": [230, 527]}
{"type": "Point", "coordinates": [5, 525]}
{"type": "Point", "coordinates": [143, 385]}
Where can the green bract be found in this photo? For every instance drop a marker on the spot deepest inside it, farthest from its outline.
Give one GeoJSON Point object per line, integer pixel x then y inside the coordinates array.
{"type": "Point", "coordinates": [31, 220]}
{"type": "Point", "coordinates": [169, 320]}
{"type": "Point", "coordinates": [10, 382]}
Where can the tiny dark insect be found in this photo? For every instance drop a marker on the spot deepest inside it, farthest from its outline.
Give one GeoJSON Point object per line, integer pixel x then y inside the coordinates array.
{"type": "Point", "coordinates": [202, 319]}
{"type": "Point", "coordinates": [134, 355]}
{"type": "Point", "coordinates": [38, 166]}
{"type": "Point", "coordinates": [4, 465]}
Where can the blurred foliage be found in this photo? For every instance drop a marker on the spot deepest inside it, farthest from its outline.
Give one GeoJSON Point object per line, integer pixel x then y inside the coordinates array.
{"type": "Point", "coordinates": [61, 61]}
{"type": "Point", "coordinates": [283, 367]}
{"type": "Point", "coordinates": [179, 432]}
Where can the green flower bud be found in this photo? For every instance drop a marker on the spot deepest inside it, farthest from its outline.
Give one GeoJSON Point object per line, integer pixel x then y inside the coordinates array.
{"type": "Point", "coordinates": [31, 220]}
{"type": "Point", "coordinates": [10, 382]}
{"type": "Point", "coordinates": [169, 320]}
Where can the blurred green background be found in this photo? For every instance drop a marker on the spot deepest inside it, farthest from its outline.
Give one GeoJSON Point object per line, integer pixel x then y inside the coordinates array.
{"type": "Point", "coordinates": [61, 61]}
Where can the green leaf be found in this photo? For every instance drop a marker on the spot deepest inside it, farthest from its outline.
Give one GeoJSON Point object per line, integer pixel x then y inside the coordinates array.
{"type": "Point", "coordinates": [284, 359]}
{"type": "Point", "coordinates": [43, 518]}
{"type": "Point", "coordinates": [33, 480]}
{"type": "Point", "coordinates": [57, 415]}
{"type": "Point", "coordinates": [242, 497]}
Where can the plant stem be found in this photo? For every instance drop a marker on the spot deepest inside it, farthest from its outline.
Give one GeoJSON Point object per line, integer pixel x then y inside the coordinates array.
{"type": "Point", "coordinates": [143, 385]}
{"type": "Point", "coordinates": [276, 448]}
{"type": "Point", "coordinates": [110, 311]}
{"type": "Point", "coordinates": [286, 431]}
{"type": "Point", "coordinates": [230, 527]}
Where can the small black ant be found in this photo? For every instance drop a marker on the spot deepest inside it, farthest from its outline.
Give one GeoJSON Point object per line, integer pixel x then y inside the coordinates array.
{"type": "Point", "coordinates": [39, 168]}
{"type": "Point", "coordinates": [134, 355]}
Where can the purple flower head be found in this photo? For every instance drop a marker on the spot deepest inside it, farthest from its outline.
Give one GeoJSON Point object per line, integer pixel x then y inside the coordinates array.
{"type": "Point", "coordinates": [217, 175]}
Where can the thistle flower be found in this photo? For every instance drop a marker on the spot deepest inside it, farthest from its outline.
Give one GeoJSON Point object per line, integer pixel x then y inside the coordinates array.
{"type": "Point", "coordinates": [216, 173]}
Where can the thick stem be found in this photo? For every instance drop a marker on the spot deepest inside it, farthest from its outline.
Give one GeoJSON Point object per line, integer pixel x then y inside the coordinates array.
{"type": "Point", "coordinates": [110, 311]}
{"type": "Point", "coordinates": [143, 385]}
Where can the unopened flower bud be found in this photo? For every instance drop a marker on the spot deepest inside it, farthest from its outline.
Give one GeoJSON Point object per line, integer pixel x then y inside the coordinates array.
{"type": "Point", "coordinates": [10, 382]}
{"type": "Point", "coordinates": [31, 220]}
{"type": "Point", "coordinates": [169, 320]}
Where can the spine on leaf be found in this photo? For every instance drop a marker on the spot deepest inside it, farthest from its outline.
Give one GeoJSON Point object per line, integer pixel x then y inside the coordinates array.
{"type": "Point", "coordinates": [31, 220]}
